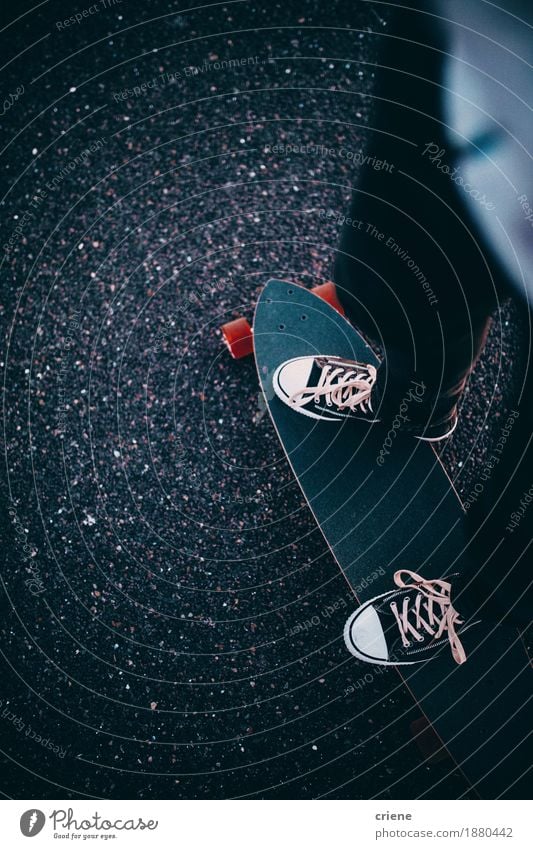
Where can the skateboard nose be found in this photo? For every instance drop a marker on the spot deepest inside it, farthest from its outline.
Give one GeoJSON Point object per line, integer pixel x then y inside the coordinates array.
{"type": "Point", "coordinates": [364, 635]}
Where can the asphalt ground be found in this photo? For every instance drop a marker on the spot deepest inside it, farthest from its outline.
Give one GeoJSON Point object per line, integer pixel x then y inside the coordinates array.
{"type": "Point", "coordinates": [171, 616]}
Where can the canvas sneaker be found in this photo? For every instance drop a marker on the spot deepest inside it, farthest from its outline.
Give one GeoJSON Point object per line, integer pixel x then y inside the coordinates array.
{"type": "Point", "coordinates": [327, 387]}
{"type": "Point", "coordinates": [333, 389]}
{"type": "Point", "coordinates": [406, 625]}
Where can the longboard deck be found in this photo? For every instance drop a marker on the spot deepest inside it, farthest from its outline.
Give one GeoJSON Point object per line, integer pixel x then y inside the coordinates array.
{"type": "Point", "coordinates": [403, 513]}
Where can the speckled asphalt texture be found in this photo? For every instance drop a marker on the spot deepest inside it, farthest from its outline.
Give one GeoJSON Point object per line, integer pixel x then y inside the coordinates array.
{"type": "Point", "coordinates": [171, 616]}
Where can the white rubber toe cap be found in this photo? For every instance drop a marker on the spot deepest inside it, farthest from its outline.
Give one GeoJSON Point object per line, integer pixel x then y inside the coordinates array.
{"type": "Point", "coordinates": [293, 376]}
{"type": "Point", "coordinates": [364, 637]}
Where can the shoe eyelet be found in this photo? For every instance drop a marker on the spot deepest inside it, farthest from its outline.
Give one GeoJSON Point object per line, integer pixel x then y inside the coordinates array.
{"type": "Point", "coordinates": [281, 327]}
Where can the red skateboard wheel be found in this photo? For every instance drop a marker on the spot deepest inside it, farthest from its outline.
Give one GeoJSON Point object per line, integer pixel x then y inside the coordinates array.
{"type": "Point", "coordinates": [238, 336]}
{"type": "Point", "coordinates": [328, 293]}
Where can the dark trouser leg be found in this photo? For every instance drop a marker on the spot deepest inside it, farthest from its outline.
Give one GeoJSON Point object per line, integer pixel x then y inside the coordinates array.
{"type": "Point", "coordinates": [414, 278]}
{"type": "Point", "coordinates": [409, 268]}
{"type": "Point", "coordinates": [499, 586]}
{"type": "Point", "coordinates": [432, 344]}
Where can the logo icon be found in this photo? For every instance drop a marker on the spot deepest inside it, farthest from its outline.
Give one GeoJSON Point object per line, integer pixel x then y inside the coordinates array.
{"type": "Point", "coordinates": [32, 822]}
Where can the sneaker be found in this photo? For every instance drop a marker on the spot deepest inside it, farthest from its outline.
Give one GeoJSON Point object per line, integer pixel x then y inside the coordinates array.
{"type": "Point", "coordinates": [406, 625]}
{"type": "Point", "coordinates": [327, 388]}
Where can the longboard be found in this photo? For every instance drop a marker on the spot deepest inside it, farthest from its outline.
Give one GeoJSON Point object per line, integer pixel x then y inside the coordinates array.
{"type": "Point", "coordinates": [400, 512]}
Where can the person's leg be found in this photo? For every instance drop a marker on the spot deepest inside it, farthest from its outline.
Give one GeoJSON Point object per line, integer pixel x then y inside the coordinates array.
{"type": "Point", "coordinates": [412, 272]}
{"type": "Point", "coordinates": [409, 270]}
{"type": "Point", "coordinates": [417, 274]}
{"type": "Point", "coordinates": [491, 135]}
{"type": "Point", "coordinates": [499, 587]}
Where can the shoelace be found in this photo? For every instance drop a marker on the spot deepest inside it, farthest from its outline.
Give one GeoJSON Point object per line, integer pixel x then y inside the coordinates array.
{"type": "Point", "coordinates": [352, 389]}
{"type": "Point", "coordinates": [444, 619]}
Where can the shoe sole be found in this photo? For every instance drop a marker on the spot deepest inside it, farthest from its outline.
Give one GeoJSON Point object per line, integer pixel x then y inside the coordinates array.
{"type": "Point", "coordinates": [439, 438]}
